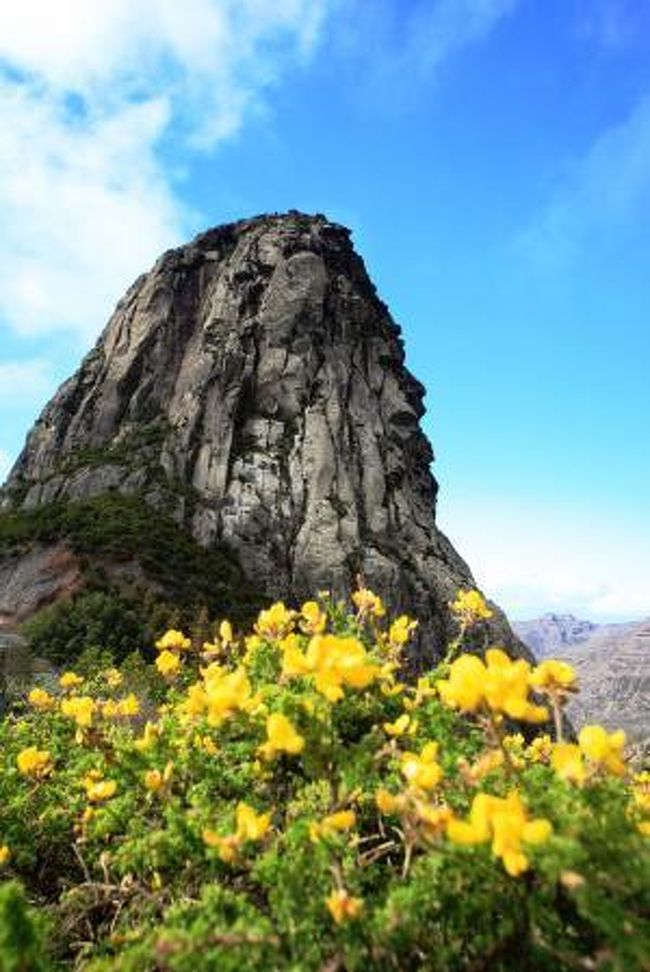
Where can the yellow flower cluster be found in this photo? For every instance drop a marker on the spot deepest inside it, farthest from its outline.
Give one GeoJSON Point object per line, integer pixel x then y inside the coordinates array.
{"type": "Point", "coordinates": [335, 823]}
{"type": "Point", "coordinates": [34, 762]}
{"type": "Point", "coordinates": [70, 680]}
{"type": "Point", "coordinates": [97, 788]}
{"type": "Point", "coordinates": [41, 700]}
{"type": "Point", "coordinates": [83, 708]}
{"type": "Point", "coordinates": [275, 622]}
{"type": "Point", "coordinates": [220, 694]}
{"type": "Point", "coordinates": [124, 708]}
{"type": "Point", "coordinates": [157, 781]}
{"type": "Point", "coordinates": [470, 607]}
{"type": "Point", "coordinates": [170, 647]}
{"type": "Point", "coordinates": [596, 751]}
{"type": "Point", "coordinates": [5, 855]}
{"type": "Point", "coordinates": [174, 640]}
{"type": "Point", "coordinates": [342, 906]}
{"type": "Point", "coordinates": [552, 676]}
{"type": "Point", "coordinates": [422, 770]}
{"type": "Point", "coordinates": [500, 685]}
{"type": "Point", "coordinates": [368, 603]}
{"type": "Point", "coordinates": [282, 737]}
{"type": "Point", "coordinates": [332, 660]}
{"type": "Point", "coordinates": [505, 822]}
{"type": "Point", "coordinates": [401, 630]}
{"type": "Point", "coordinates": [80, 708]}
{"type": "Point", "coordinates": [249, 826]}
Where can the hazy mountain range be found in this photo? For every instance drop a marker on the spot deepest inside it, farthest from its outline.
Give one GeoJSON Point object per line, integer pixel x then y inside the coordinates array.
{"type": "Point", "coordinates": [613, 666]}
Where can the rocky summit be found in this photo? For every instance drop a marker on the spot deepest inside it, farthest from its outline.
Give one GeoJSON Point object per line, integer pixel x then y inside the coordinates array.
{"type": "Point", "coordinates": [251, 388]}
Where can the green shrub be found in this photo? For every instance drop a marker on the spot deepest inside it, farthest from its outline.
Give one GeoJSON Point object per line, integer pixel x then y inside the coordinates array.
{"type": "Point", "coordinates": [283, 801]}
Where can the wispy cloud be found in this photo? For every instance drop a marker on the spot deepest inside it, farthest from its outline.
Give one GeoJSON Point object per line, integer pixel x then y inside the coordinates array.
{"type": "Point", "coordinates": [603, 193]}
{"type": "Point", "coordinates": [89, 92]}
{"type": "Point", "coordinates": [440, 29]}
{"type": "Point", "coordinates": [398, 42]}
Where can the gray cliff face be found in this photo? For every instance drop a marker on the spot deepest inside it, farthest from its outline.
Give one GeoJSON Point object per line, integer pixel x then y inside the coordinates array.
{"type": "Point", "coordinates": [254, 384]}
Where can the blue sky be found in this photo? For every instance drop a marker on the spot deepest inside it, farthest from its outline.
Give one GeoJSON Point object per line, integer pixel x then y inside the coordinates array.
{"type": "Point", "coordinates": [492, 158]}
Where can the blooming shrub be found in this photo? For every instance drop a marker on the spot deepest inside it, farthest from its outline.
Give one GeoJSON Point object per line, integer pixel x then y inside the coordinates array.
{"type": "Point", "coordinates": [282, 800]}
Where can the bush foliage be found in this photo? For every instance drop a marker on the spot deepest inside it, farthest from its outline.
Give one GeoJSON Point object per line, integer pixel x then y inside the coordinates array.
{"type": "Point", "coordinates": [283, 801]}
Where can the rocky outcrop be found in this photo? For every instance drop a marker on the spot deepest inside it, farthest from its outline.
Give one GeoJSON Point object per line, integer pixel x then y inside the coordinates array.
{"type": "Point", "coordinates": [612, 662]}
{"type": "Point", "coordinates": [253, 385]}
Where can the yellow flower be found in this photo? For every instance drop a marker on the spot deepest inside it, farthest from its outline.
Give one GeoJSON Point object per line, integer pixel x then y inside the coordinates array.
{"type": "Point", "coordinates": [338, 661]}
{"type": "Point", "coordinates": [41, 699]}
{"type": "Point", "coordinates": [387, 802]}
{"type": "Point", "coordinates": [129, 705]}
{"type": "Point", "coordinates": [368, 603]}
{"type": "Point", "coordinates": [275, 622]}
{"type": "Point", "coordinates": [251, 825]}
{"type": "Point", "coordinates": [207, 744]}
{"type": "Point", "coordinates": [313, 620]}
{"type": "Point", "coordinates": [155, 780]}
{"type": "Point", "coordinates": [470, 606]}
{"type": "Point", "coordinates": [540, 749]}
{"type": "Point", "coordinates": [282, 737]}
{"type": "Point", "coordinates": [399, 727]}
{"type": "Point", "coordinates": [173, 640]}
{"type": "Point", "coordinates": [335, 823]}
{"type": "Point", "coordinates": [113, 678]}
{"type": "Point", "coordinates": [98, 790]}
{"type": "Point", "coordinates": [603, 749]}
{"type": "Point", "coordinates": [500, 683]}
{"type": "Point", "coordinates": [505, 822]}
{"type": "Point", "coordinates": [401, 630]}
{"type": "Point", "coordinates": [422, 771]}
{"type": "Point", "coordinates": [433, 819]}
{"type": "Point", "coordinates": [342, 907]}
{"type": "Point", "coordinates": [80, 708]}
{"type": "Point", "coordinates": [5, 854]}
{"type": "Point", "coordinates": [226, 633]}
{"type": "Point", "coordinates": [553, 677]}
{"type": "Point", "coordinates": [168, 663]}
{"type": "Point", "coordinates": [70, 680]}
{"type": "Point", "coordinates": [34, 762]}
{"type": "Point", "coordinates": [567, 761]}
{"type": "Point", "coordinates": [464, 689]}
{"type": "Point", "coordinates": [149, 737]}
{"type": "Point", "coordinates": [226, 692]}
{"type": "Point", "coordinates": [506, 687]}
{"type": "Point", "coordinates": [294, 661]}
{"type": "Point", "coordinates": [227, 847]}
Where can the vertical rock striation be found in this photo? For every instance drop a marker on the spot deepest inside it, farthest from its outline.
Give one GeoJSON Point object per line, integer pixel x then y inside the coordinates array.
{"type": "Point", "coordinates": [253, 384]}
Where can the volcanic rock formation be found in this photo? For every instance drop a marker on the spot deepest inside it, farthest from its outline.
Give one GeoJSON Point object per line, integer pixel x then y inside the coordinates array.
{"type": "Point", "coordinates": [253, 386]}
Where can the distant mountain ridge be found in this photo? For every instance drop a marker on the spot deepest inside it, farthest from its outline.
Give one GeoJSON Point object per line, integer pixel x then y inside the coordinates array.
{"type": "Point", "coordinates": [613, 666]}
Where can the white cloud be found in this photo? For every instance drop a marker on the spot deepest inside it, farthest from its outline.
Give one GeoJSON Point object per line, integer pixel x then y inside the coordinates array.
{"type": "Point", "coordinates": [88, 92]}
{"type": "Point", "coordinates": [606, 190]}
{"type": "Point", "coordinates": [533, 559]}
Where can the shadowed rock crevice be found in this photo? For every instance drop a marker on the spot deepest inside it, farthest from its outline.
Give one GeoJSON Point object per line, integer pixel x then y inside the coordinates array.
{"type": "Point", "coordinates": [253, 386]}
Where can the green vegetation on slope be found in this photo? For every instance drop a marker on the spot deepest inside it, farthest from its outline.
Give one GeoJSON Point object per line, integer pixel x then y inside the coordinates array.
{"type": "Point", "coordinates": [183, 577]}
